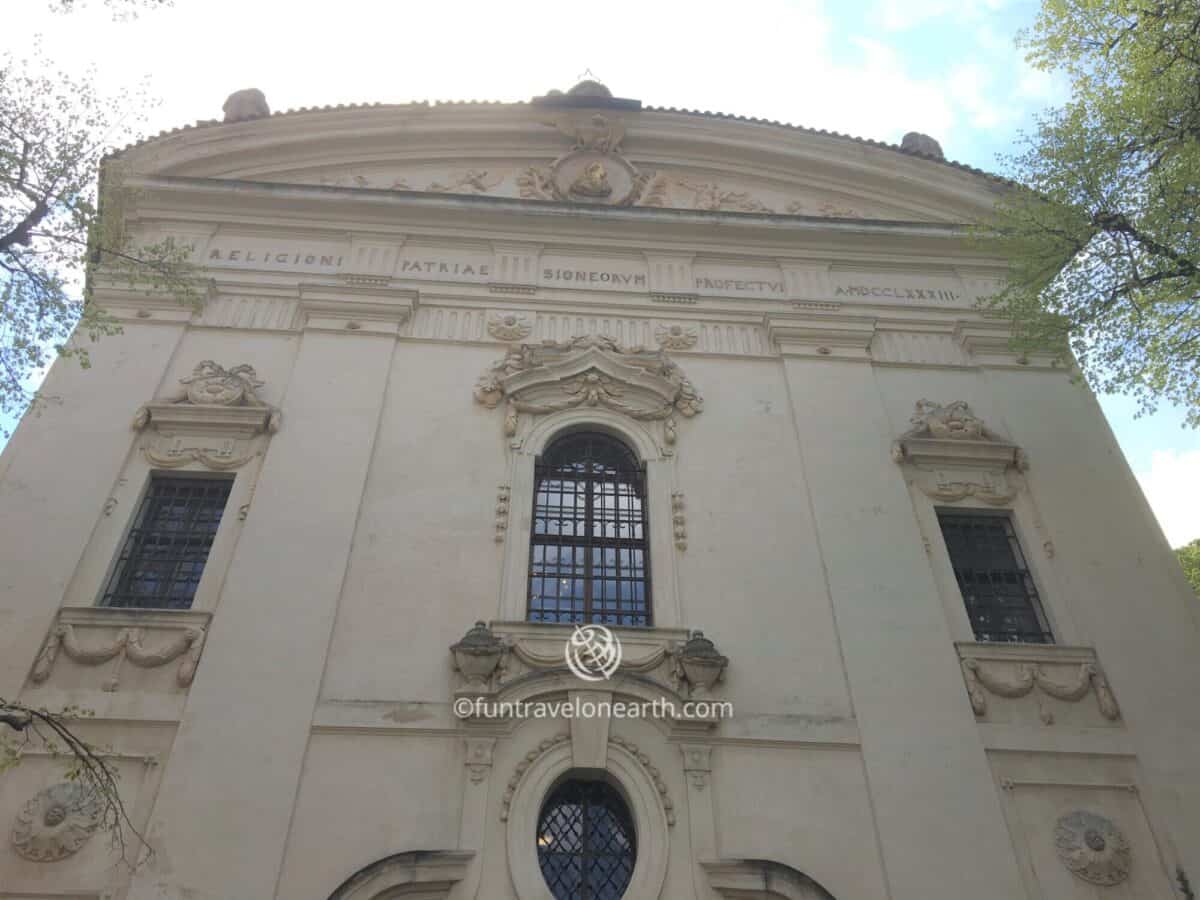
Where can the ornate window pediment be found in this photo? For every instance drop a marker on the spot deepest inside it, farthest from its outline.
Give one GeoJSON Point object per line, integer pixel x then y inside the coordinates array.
{"type": "Point", "coordinates": [955, 455]}
{"type": "Point", "coordinates": [536, 379]}
{"type": "Point", "coordinates": [213, 421]}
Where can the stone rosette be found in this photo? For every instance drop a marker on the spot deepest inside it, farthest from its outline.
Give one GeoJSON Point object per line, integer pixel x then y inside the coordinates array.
{"type": "Point", "coordinates": [1093, 848]}
{"type": "Point", "coordinates": [56, 822]}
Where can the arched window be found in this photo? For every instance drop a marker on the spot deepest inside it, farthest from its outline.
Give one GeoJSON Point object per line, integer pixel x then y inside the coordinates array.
{"type": "Point", "coordinates": [586, 842]}
{"type": "Point", "coordinates": [589, 557]}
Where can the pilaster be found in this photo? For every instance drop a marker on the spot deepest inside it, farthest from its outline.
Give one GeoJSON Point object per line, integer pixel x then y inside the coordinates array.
{"type": "Point", "coordinates": [245, 729]}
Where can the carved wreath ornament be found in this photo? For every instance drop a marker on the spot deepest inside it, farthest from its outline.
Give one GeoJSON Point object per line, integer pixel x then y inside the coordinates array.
{"type": "Point", "coordinates": [212, 385]}
{"type": "Point", "coordinates": [536, 379]}
{"type": "Point", "coordinates": [1093, 848]}
{"type": "Point", "coordinates": [56, 822]}
{"type": "Point", "coordinates": [213, 420]}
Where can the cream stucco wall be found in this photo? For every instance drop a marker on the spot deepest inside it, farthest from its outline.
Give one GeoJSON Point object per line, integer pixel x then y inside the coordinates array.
{"type": "Point", "coordinates": [362, 538]}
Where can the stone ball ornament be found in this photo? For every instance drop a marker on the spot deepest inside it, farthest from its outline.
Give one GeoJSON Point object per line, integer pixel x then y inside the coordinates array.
{"type": "Point", "coordinates": [241, 106]}
{"type": "Point", "coordinates": [1092, 848]}
{"type": "Point", "coordinates": [56, 822]}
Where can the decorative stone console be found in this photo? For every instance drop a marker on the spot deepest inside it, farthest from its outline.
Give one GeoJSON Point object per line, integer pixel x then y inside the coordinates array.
{"type": "Point", "coordinates": [1023, 683]}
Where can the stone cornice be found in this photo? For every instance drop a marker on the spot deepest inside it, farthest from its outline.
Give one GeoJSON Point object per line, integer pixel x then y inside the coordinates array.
{"type": "Point", "coordinates": [829, 337]}
{"type": "Point", "coordinates": [251, 193]}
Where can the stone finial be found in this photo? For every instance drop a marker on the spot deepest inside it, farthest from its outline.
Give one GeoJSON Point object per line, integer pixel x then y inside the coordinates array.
{"type": "Point", "coordinates": [242, 106]}
{"type": "Point", "coordinates": [702, 665]}
{"type": "Point", "coordinates": [921, 145]}
{"type": "Point", "coordinates": [477, 655]}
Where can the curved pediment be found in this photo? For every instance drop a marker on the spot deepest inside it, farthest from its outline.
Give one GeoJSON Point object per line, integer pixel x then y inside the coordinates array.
{"type": "Point", "coordinates": [592, 151]}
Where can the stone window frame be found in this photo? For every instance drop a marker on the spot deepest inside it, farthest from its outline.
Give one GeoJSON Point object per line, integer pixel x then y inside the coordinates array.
{"type": "Point", "coordinates": [659, 463]}
{"type": "Point", "coordinates": [1035, 547]}
{"type": "Point", "coordinates": [116, 519]}
{"type": "Point", "coordinates": [161, 476]}
{"type": "Point", "coordinates": [621, 769]}
{"type": "Point", "coordinates": [1022, 556]}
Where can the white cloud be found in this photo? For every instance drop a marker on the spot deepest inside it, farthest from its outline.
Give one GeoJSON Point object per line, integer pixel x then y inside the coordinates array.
{"type": "Point", "coordinates": [1172, 485]}
{"type": "Point", "coordinates": [778, 59]}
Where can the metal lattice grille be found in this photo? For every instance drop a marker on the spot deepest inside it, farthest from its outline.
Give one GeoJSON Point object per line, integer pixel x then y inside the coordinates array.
{"type": "Point", "coordinates": [586, 843]}
{"type": "Point", "coordinates": [589, 554]}
{"type": "Point", "coordinates": [997, 588]}
{"type": "Point", "coordinates": [164, 555]}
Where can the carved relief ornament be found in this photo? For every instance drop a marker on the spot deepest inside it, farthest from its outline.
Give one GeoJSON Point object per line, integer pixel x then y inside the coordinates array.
{"type": "Point", "coordinates": [212, 421]}
{"type": "Point", "coordinates": [536, 379]}
{"type": "Point", "coordinates": [186, 645]}
{"type": "Point", "coordinates": [955, 455]}
{"type": "Point", "coordinates": [1092, 848]}
{"type": "Point", "coordinates": [509, 326]}
{"type": "Point", "coordinates": [593, 170]}
{"type": "Point", "coordinates": [56, 822]}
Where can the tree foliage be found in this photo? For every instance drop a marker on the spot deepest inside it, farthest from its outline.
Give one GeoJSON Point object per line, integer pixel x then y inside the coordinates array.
{"type": "Point", "coordinates": [1189, 558]}
{"type": "Point", "coordinates": [58, 228]}
{"type": "Point", "coordinates": [1102, 234]}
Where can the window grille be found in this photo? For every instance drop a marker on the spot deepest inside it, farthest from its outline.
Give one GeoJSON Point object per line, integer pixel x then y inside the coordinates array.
{"type": "Point", "coordinates": [998, 591]}
{"type": "Point", "coordinates": [586, 842]}
{"type": "Point", "coordinates": [165, 551]}
{"type": "Point", "coordinates": [589, 549]}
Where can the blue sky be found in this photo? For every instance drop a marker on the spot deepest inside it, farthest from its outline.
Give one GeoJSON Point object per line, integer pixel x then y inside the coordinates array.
{"type": "Point", "coordinates": [875, 68]}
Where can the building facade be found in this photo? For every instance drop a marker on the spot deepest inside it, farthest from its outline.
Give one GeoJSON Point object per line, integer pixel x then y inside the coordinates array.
{"type": "Point", "coordinates": [580, 362]}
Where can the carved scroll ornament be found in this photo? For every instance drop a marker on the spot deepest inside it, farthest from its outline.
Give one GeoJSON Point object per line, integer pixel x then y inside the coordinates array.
{"type": "Point", "coordinates": [188, 644]}
{"type": "Point", "coordinates": [982, 681]}
{"type": "Point", "coordinates": [536, 379]}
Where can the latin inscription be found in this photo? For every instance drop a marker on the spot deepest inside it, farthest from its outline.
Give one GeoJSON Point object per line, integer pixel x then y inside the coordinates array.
{"type": "Point", "coordinates": [592, 276]}
{"type": "Point", "coordinates": [269, 258]}
{"type": "Point", "coordinates": [739, 285]}
{"type": "Point", "coordinates": [438, 267]}
{"type": "Point", "coordinates": [897, 293]}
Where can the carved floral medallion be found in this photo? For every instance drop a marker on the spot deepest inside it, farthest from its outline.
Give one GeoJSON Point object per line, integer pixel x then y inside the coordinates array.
{"type": "Point", "coordinates": [1092, 847]}
{"type": "Point", "coordinates": [509, 326]}
{"type": "Point", "coordinates": [675, 336]}
{"type": "Point", "coordinates": [56, 822]}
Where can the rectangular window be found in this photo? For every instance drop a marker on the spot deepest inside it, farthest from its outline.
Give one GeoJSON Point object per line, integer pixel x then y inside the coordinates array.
{"type": "Point", "coordinates": [166, 549]}
{"type": "Point", "coordinates": [996, 586]}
